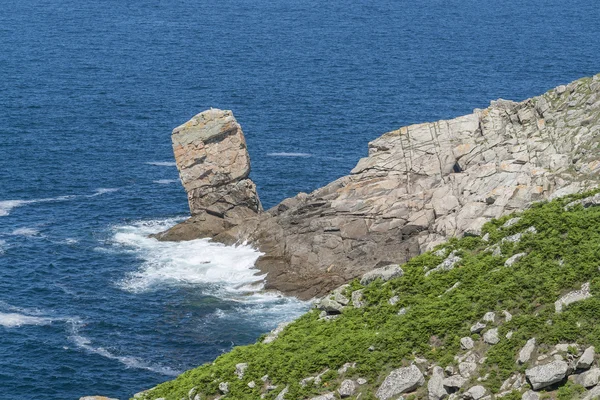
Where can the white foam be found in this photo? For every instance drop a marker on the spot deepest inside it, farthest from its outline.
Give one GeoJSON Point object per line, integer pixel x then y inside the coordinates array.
{"type": "Point", "coordinates": [166, 181]}
{"type": "Point", "coordinates": [12, 320]}
{"type": "Point", "coordinates": [85, 343]}
{"type": "Point", "coordinates": [6, 206]}
{"type": "Point", "coordinates": [194, 262]}
{"type": "Point", "coordinates": [162, 163]}
{"type": "Point", "coordinates": [286, 154]}
{"type": "Point", "coordinates": [29, 232]}
{"type": "Point", "coordinates": [101, 191]}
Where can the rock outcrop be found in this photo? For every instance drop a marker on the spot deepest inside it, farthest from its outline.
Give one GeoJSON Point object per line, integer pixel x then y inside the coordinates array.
{"type": "Point", "coordinates": [213, 163]}
{"type": "Point", "coordinates": [419, 185]}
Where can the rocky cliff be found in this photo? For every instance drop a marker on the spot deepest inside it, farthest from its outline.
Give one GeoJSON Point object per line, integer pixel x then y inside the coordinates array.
{"type": "Point", "coordinates": [418, 186]}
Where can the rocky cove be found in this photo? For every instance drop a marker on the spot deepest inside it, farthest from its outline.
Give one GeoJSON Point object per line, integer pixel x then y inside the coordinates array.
{"type": "Point", "coordinates": [458, 260]}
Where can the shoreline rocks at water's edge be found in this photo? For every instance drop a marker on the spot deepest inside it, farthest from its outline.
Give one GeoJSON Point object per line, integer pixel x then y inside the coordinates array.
{"type": "Point", "coordinates": [419, 186]}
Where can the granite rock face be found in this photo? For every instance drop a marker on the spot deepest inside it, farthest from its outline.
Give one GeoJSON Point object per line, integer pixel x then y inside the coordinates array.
{"type": "Point", "coordinates": [418, 186]}
{"type": "Point", "coordinates": [213, 163]}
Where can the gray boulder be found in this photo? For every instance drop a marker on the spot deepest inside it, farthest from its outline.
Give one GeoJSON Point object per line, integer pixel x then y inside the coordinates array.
{"type": "Point", "coordinates": [347, 388]}
{"type": "Point", "coordinates": [526, 352]}
{"type": "Point", "coordinates": [573, 297]}
{"type": "Point", "coordinates": [400, 381]}
{"type": "Point", "coordinates": [435, 386]}
{"type": "Point", "coordinates": [454, 382]}
{"type": "Point", "coordinates": [491, 336]}
{"type": "Point", "coordinates": [478, 327]}
{"type": "Point", "coordinates": [593, 394]}
{"type": "Point", "coordinates": [587, 358]}
{"type": "Point", "coordinates": [489, 317]}
{"type": "Point", "coordinates": [466, 343]}
{"type": "Point", "coordinates": [446, 265]}
{"type": "Point", "coordinates": [281, 395]}
{"type": "Point", "coordinates": [474, 393]}
{"type": "Point", "coordinates": [530, 395]}
{"type": "Point", "coordinates": [357, 299]}
{"type": "Point", "coordinates": [274, 334]}
{"type": "Point", "coordinates": [588, 378]}
{"type": "Point", "coordinates": [548, 374]}
{"type": "Point", "coordinates": [240, 369]}
{"type": "Point", "coordinates": [326, 396]}
{"type": "Point", "coordinates": [512, 260]}
{"type": "Point", "coordinates": [330, 306]}
{"type": "Point", "coordinates": [384, 273]}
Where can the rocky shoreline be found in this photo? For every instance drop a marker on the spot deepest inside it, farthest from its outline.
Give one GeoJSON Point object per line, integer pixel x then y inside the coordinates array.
{"type": "Point", "coordinates": [419, 186]}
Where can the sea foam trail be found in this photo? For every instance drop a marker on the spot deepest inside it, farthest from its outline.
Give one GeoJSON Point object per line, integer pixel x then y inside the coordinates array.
{"type": "Point", "coordinates": [6, 206]}
{"type": "Point", "coordinates": [285, 154]}
{"type": "Point", "coordinates": [13, 320]}
{"type": "Point", "coordinates": [195, 262]}
{"type": "Point", "coordinates": [166, 181]}
{"type": "Point", "coordinates": [85, 343]}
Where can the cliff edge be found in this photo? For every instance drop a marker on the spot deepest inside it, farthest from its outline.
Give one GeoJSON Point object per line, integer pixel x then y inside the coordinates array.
{"type": "Point", "coordinates": [419, 186]}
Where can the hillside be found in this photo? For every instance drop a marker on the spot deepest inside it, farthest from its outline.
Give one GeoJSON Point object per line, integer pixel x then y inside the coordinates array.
{"type": "Point", "coordinates": [486, 316]}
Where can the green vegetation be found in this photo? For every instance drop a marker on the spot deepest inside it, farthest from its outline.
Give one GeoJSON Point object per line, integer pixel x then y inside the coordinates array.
{"type": "Point", "coordinates": [563, 254]}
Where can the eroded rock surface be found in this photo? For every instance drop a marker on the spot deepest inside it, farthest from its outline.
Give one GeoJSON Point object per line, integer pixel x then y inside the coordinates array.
{"type": "Point", "coordinates": [213, 163]}
{"type": "Point", "coordinates": [418, 186]}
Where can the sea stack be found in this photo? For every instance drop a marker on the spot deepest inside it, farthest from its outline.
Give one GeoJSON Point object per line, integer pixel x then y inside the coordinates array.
{"type": "Point", "coordinates": [213, 162]}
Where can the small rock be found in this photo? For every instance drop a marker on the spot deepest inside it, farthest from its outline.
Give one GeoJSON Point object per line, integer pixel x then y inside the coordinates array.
{"type": "Point", "coordinates": [357, 299]}
{"type": "Point", "coordinates": [274, 334]}
{"type": "Point", "coordinates": [511, 222]}
{"type": "Point", "coordinates": [454, 382]}
{"type": "Point", "coordinates": [446, 265]}
{"type": "Point", "coordinates": [193, 391]}
{"type": "Point", "coordinates": [400, 381]}
{"type": "Point", "coordinates": [361, 381]}
{"type": "Point", "coordinates": [507, 316]}
{"type": "Point", "coordinates": [588, 379]}
{"type": "Point", "coordinates": [394, 300]}
{"type": "Point", "coordinates": [345, 368]}
{"type": "Point", "coordinates": [435, 386]}
{"type": "Point", "coordinates": [449, 370]}
{"type": "Point", "coordinates": [491, 336]}
{"type": "Point", "coordinates": [224, 387]}
{"type": "Point", "coordinates": [548, 374]}
{"type": "Point", "coordinates": [572, 297]}
{"type": "Point", "coordinates": [347, 388]}
{"type": "Point", "coordinates": [240, 369]}
{"type": "Point", "coordinates": [281, 395]}
{"type": "Point", "coordinates": [489, 317]}
{"type": "Point", "coordinates": [530, 395]}
{"type": "Point", "coordinates": [526, 352]}
{"type": "Point", "coordinates": [474, 393]}
{"type": "Point", "coordinates": [587, 359]}
{"type": "Point", "coordinates": [478, 327]}
{"type": "Point", "coordinates": [385, 273]}
{"type": "Point", "coordinates": [403, 310]}
{"type": "Point", "coordinates": [265, 378]}
{"type": "Point", "coordinates": [512, 260]}
{"type": "Point", "coordinates": [466, 369]}
{"type": "Point", "coordinates": [509, 334]}
{"type": "Point", "coordinates": [466, 343]}
{"type": "Point", "coordinates": [251, 384]}
{"type": "Point", "coordinates": [330, 306]}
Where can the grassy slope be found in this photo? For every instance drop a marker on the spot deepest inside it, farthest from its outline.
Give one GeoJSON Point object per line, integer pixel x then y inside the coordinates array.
{"type": "Point", "coordinates": [561, 256]}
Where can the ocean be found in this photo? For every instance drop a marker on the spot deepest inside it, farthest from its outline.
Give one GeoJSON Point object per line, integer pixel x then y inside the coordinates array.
{"type": "Point", "coordinates": [89, 94]}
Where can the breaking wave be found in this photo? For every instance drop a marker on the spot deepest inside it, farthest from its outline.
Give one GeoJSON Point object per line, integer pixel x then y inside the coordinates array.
{"type": "Point", "coordinates": [285, 154]}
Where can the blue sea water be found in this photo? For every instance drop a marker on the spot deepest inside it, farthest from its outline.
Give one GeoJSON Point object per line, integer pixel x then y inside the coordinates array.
{"type": "Point", "coordinates": [89, 93]}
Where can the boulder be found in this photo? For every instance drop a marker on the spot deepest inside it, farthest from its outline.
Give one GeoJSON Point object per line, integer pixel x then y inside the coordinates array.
{"type": "Point", "coordinates": [530, 395]}
{"type": "Point", "coordinates": [454, 383]}
{"type": "Point", "coordinates": [491, 336]}
{"type": "Point", "coordinates": [326, 396]}
{"type": "Point", "coordinates": [489, 317]}
{"type": "Point", "coordinates": [446, 265]}
{"type": "Point", "coordinates": [435, 386]}
{"type": "Point", "coordinates": [329, 306]}
{"type": "Point", "coordinates": [587, 358]}
{"type": "Point", "coordinates": [400, 381]}
{"type": "Point", "coordinates": [357, 299]}
{"type": "Point", "coordinates": [588, 378]}
{"type": "Point", "coordinates": [512, 260]}
{"type": "Point", "coordinates": [384, 273]}
{"type": "Point", "coordinates": [466, 343]}
{"type": "Point", "coordinates": [478, 327]}
{"type": "Point", "coordinates": [573, 297]}
{"type": "Point", "coordinates": [347, 388]}
{"type": "Point", "coordinates": [281, 395]}
{"type": "Point", "coordinates": [474, 393]}
{"type": "Point", "coordinates": [548, 374]}
{"type": "Point", "coordinates": [240, 369]}
{"type": "Point", "coordinates": [593, 394]}
{"type": "Point", "coordinates": [466, 368]}
{"type": "Point", "coordinates": [526, 352]}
